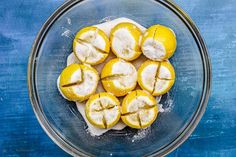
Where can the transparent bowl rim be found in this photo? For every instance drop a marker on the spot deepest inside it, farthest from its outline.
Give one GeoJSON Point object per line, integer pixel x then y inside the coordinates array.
{"type": "Point", "coordinates": [66, 145]}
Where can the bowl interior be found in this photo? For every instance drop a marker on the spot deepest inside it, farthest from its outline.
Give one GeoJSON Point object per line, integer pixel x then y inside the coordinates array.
{"type": "Point", "coordinates": [183, 99]}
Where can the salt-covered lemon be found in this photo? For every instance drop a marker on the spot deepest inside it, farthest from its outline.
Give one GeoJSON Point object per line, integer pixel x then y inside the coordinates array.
{"type": "Point", "coordinates": [158, 43]}
{"type": "Point", "coordinates": [103, 110]}
{"type": "Point", "coordinates": [119, 77]}
{"type": "Point", "coordinates": [139, 109]}
{"type": "Point", "coordinates": [156, 77]}
{"type": "Point", "coordinates": [125, 41]}
{"type": "Point", "coordinates": [91, 45]}
{"type": "Point", "coordinates": [77, 82]}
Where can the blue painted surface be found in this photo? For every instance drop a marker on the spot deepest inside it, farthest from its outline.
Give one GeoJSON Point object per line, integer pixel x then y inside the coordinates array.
{"type": "Point", "coordinates": [21, 134]}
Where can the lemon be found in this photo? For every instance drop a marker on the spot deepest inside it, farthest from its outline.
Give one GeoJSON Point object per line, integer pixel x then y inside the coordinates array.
{"type": "Point", "coordinates": [156, 77]}
{"type": "Point", "coordinates": [158, 43]}
{"type": "Point", "coordinates": [77, 82]}
{"type": "Point", "coordinates": [124, 39]}
{"type": "Point", "coordinates": [119, 77]}
{"type": "Point", "coordinates": [103, 110]}
{"type": "Point", "coordinates": [91, 45]}
{"type": "Point", "coordinates": [139, 109]}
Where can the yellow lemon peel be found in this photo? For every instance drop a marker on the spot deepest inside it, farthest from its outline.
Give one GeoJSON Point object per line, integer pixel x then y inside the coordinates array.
{"type": "Point", "coordinates": [158, 43]}
{"type": "Point", "coordinates": [139, 109]}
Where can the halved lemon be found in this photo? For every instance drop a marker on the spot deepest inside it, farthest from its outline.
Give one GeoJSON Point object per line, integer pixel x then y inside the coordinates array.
{"type": "Point", "coordinates": [103, 110]}
{"type": "Point", "coordinates": [139, 109]}
{"type": "Point", "coordinates": [158, 43]}
{"type": "Point", "coordinates": [119, 77]}
{"type": "Point", "coordinates": [91, 45]}
{"type": "Point", "coordinates": [125, 41]}
{"type": "Point", "coordinates": [156, 77]}
{"type": "Point", "coordinates": [78, 82]}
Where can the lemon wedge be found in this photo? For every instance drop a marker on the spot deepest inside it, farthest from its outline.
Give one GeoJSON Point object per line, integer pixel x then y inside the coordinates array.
{"type": "Point", "coordinates": [91, 45]}
{"type": "Point", "coordinates": [124, 39]}
{"type": "Point", "coordinates": [119, 77]}
{"type": "Point", "coordinates": [77, 82]}
{"type": "Point", "coordinates": [158, 43]}
{"type": "Point", "coordinates": [103, 110]}
{"type": "Point", "coordinates": [156, 77]}
{"type": "Point", "coordinates": [139, 109]}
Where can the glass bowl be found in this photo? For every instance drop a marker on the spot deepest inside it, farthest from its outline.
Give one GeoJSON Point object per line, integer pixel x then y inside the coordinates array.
{"type": "Point", "coordinates": [186, 102]}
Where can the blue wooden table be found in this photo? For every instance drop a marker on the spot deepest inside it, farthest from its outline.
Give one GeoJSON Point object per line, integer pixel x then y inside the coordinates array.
{"type": "Point", "coordinates": [20, 132]}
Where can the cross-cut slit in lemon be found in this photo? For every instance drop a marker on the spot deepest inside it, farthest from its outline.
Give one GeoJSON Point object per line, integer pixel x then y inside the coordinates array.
{"type": "Point", "coordinates": [139, 109]}
{"type": "Point", "coordinates": [125, 41]}
{"type": "Point", "coordinates": [158, 43]}
{"type": "Point", "coordinates": [119, 77]}
{"type": "Point", "coordinates": [77, 82]}
{"type": "Point", "coordinates": [103, 110]}
{"type": "Point", "coordinates": [156, 77]}
{"type": "Point", "coordinates": [91, 45]}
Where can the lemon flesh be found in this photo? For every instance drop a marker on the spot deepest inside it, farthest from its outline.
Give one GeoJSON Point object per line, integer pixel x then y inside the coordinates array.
{"type": "Point", "coordinates": [158, 43]}
{"type": "Point", "coordinates": [107, 26]}
{"type": "Point", "coordinates": [139, 109]}
{"type": "Point", "coordinates": [156, 77]}
{"type": "Point", "coordinates": [125, 41]}
{"type": "Point", "coordinates": [119, 77]}
{"type": "Point", "coordinates": [103, 110]}
{"type": "Point", "coordinates": [77, 82]}
{"type": "Point", "coordinates": [91, 45]}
